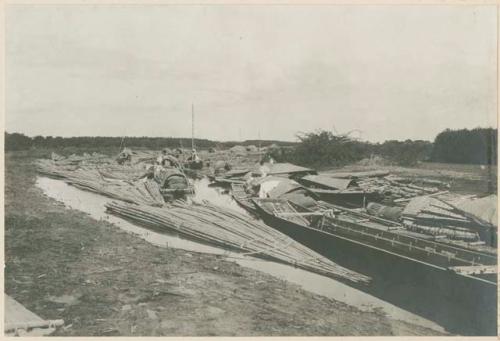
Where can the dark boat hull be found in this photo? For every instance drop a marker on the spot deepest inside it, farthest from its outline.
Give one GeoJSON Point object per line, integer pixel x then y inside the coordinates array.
{"type": "Point", "coordinates": [349, 199]}
{"type": "Point", "coordinates": [196, 165]}
{"type": "Point", "coordinates": [462, 304]}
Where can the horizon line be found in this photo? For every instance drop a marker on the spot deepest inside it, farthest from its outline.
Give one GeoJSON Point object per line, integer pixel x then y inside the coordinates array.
{"type": "Point", "coordinates": [223, 141]}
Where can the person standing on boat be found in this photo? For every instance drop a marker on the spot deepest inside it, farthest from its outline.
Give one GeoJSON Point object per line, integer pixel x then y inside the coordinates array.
{"type": "Point", "coordinates": [194, 156]}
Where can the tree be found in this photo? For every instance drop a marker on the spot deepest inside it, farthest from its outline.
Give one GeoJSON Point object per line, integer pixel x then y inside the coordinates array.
{"type": "Point", "coordinates": [17, 141]}
{"type": "Point", "coordinates": [476, 146]}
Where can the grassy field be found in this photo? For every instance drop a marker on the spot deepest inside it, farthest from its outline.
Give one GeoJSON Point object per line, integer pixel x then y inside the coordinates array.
{"type": "Point", "coordinates": [62, 264]}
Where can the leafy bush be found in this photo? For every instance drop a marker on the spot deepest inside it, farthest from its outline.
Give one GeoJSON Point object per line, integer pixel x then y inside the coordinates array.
{"type": "Point", "coordinates": [325, 149]}
{"type": "Point", "coordinates": [405, 153]}
{"type": "Point", "coordinates": [322, 148]}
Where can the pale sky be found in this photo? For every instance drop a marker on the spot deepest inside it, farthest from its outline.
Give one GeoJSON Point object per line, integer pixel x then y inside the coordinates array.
{"type": "Point", "coordinates": [391, 72]}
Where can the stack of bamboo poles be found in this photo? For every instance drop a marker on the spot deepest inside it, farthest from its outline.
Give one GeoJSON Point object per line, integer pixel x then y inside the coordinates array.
{"type": "Point", "coordinates": [108, 171]}
{"type": "Point", "coordinates": [91, 179]}
{"type": "Point", "coordinates": [231, 230]}
{"type": "Point", "coordinates": [398, 189]}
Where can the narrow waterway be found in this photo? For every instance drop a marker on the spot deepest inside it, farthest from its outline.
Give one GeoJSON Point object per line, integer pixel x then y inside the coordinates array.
{"type": "Point", "coordinates": [94, 205]}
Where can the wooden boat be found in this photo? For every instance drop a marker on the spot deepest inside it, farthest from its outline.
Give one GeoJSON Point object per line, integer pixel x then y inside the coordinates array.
{"type": "Point", "coordinates": [479, 246]}
{"type": "Point", "coordinates": [453, 286]}
{"type": "Point", "coordinates": [347, 197]}
{"type": "Point", "coordinates": [194, 164]}
{"type": "Point", "coordinates": [242, 197]}
{"type": "Point", "coordinates": [338, 191]}
{"type": "Point", "coordinates": [176, 193]}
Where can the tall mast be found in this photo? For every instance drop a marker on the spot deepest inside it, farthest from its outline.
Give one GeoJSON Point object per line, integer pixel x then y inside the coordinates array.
{"type": "Point", "coordinates": [260, 152]}
{"type": "Point", "coordinates": [192, 126]}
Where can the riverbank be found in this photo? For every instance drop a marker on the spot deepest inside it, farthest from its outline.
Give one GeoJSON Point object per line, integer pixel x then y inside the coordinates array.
{"type": "Point", "coordinates": [63, 264]}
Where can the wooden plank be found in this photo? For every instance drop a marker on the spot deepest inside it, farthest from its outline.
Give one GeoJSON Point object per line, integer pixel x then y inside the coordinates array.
{"type": "Point", "coordinates": [299, 214]}
{"type": "Point", "coordinates": [475, 270]}
{"type": "Point", "coordinates": [17, 317]}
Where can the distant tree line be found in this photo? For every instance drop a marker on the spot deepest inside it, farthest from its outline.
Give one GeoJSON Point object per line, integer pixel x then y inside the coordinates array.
{"type": "Point", "coordinates": [326, 149]}
{"type": "Point", "coordinates": [476, 146]}
{"type": "Point", "coordinates": [16, 141]}
{"type": "Point", "coordinates": [315, 149]}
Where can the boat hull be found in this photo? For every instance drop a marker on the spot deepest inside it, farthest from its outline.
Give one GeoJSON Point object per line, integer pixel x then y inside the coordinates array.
{"type": "Point", "coordinates": [461, 304]}
{"type": "Point", "coordinates": [349, 199]}
{"type": "Point", "coordinates": [242, 198]}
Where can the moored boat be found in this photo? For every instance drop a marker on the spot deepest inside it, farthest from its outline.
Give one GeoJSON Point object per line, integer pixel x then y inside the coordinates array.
{"type": "Point", "coordinates": [242, 197]}
{"type": "Point", "coordinates": [453, 286]}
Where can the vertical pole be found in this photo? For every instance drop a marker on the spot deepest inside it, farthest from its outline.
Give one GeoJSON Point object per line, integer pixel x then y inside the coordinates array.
{"type": "Point", "coordinates": [192, 126]}
{"type": "Point", "coordinates": [260, 152]}
{"type": "Point", "coordinates": [121, 144]}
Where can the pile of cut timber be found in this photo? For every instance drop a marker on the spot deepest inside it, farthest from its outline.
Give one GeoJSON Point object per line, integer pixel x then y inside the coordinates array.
{"type": "Point", "coordinates": [435, 217]}
{"type": "Point", "coordinates": [229, 229]}
{"type": "Point", "coordinates": [400, 189]}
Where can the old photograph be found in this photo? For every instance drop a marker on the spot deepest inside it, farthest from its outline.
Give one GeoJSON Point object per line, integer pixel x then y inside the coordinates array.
{"type": "Point", "coordinates": [250, 169]}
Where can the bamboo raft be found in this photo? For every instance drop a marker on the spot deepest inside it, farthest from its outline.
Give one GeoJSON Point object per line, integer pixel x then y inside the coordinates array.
{"type": "Point", "coordinates": [120, 186]}
{"type": "Point", "coordinates": [231, 230]}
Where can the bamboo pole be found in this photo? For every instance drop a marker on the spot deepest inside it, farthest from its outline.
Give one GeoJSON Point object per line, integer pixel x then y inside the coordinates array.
{"type": "Point", "coordinates": [215, 225]}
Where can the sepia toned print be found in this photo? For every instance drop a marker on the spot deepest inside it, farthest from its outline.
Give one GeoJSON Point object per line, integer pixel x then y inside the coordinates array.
{"type": "Point", "coordinates": [250, 170]}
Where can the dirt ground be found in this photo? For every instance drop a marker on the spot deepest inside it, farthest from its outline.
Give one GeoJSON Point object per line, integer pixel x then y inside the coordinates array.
{"type": "Point", "coordinates": [62, 264]}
